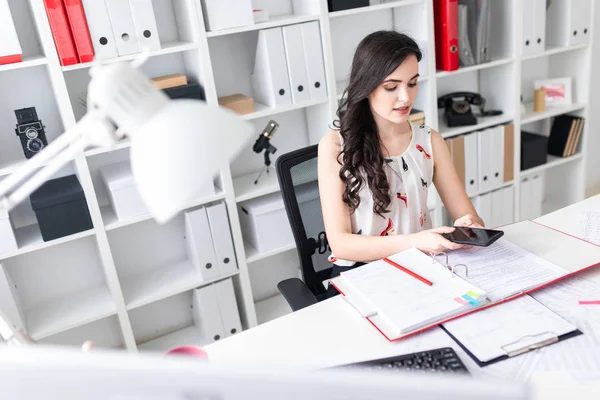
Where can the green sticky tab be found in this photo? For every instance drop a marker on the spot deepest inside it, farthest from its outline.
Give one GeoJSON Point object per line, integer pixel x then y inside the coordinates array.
{"type": "Point", "coordinates": [473, 294]}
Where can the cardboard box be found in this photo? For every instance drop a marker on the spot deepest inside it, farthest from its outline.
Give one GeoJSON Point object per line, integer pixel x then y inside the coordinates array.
{"type": "Point", "coordinates": [239, 103]}
{"type": "Point", "coordinates": [169, 81]}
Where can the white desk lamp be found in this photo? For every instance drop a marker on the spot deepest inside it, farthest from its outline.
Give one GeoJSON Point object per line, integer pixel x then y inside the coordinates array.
{"type": "Point", "coordinates": [176, 145]}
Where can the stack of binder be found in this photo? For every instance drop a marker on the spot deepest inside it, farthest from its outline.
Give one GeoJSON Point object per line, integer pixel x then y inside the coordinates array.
{"type": "Point", "coordinates": [462, 33]}
{"type": "Point", "coordinates": [10, 48]}
{"type": "Point", "coordinates": [85, 30]}
{"type": "Point", "coordinates": [289, 66]}
{"type": "Point", "coordinates": [484, 159]}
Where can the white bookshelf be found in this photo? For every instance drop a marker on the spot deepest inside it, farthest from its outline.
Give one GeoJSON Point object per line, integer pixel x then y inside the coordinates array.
{"type": "Point", "coordinates": [128, 283]}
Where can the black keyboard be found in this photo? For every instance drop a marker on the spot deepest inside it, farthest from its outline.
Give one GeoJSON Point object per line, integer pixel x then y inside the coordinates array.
{"type": "Point", "coordinates": [440, 360]}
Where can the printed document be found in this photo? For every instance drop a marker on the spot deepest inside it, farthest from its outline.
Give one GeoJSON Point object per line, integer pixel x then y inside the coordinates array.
{"type": "Point", "coordinates": [504, 269]}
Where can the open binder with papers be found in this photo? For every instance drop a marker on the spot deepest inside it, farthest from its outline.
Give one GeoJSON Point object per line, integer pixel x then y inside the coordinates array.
{"type": "Point", "coordinates": [398, 304]}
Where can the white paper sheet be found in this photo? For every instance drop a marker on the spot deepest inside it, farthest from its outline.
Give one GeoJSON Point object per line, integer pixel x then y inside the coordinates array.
{"type": "Point", "coordinates": [578, 356]}
{"type": "Point", "coordinates": [504, 269]}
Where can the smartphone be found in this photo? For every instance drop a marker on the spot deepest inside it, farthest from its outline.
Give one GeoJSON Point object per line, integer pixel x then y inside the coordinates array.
{"type": "Point", "coordinates": [473, 236]}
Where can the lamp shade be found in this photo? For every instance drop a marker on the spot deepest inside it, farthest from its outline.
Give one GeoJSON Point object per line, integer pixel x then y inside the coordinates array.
{"type": "Point", "coordinates": [179, 149]}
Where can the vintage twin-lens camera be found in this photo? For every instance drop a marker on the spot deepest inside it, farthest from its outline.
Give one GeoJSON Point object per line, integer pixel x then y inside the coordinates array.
{"type": "Point", "coordinates": [31, 131]}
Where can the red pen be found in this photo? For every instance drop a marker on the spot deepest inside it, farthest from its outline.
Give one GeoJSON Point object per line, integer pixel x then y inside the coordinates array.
{"type": "Point", "coordinates": [401, 268]}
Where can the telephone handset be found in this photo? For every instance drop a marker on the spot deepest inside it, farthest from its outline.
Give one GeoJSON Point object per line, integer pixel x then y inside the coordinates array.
{"type": "Point", "coordinates": [457, 108]}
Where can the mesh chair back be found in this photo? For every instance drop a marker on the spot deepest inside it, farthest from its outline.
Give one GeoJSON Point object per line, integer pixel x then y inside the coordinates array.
{"type": "Point", "coordinates": [297, 175]}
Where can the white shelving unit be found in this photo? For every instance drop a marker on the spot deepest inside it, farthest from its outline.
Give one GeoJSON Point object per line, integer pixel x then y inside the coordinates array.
{"type": "Point", "coordinates": [128, 284]}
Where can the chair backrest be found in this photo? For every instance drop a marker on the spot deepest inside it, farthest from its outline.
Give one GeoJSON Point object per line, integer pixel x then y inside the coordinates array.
{"type": "Point", "coordinates": [297, 175]}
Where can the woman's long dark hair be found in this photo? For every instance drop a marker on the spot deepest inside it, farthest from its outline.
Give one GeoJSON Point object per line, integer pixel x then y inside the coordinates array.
{"type": "Point", "coordinates": [377, 56]}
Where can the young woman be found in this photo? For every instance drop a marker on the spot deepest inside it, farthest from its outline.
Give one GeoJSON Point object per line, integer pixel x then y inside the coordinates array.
{"type": "Point", "coordinates": [375, 171]}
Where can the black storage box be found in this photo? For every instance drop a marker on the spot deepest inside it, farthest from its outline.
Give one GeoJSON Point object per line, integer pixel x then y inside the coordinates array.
{"type": "Point", "coordinates": [61, 208]}
{"type": "Point", "coordinates": [338, 5]}
{"type": "Point", "coordinates": [534, 150]}
{"type": "Point", "coordinates": [189, 91]}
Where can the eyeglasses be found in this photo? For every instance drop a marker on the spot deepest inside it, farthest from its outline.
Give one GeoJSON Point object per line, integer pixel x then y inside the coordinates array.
{"type": "Point", "coordinates": [446, 264]}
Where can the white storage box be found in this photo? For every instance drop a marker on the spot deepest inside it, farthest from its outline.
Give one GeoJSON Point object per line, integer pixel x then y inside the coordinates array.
{"type": "Point", "coordinates": [264, 221]}
{"type": "Point", "coordinates": [225, 14]}
{"type": "Point", "coordinates": [122, 191]}
{"type": "Point", "coordinates": [8, 242]}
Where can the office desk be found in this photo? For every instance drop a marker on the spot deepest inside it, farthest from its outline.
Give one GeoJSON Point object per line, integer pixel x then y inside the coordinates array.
{"type": "Point", "coordinates": [331, 332]}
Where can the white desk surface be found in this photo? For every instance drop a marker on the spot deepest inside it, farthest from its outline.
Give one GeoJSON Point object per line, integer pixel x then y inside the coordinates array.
{"type": "Point", "coordinates": [331, 333]}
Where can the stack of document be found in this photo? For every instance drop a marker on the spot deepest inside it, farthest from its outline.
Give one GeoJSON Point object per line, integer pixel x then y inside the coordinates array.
{"type": "Point", "coordinates": [408, 291]}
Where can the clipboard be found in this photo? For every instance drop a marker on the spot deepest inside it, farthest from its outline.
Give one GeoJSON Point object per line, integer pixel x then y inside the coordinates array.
{"type": "Point", "coordinates": [509, 330]}
{"type": "Point", "coordinates": [519, 347]}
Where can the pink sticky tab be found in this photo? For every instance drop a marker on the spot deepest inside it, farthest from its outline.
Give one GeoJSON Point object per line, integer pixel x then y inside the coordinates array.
{"type": "Point", "coordinates": [589, 302]}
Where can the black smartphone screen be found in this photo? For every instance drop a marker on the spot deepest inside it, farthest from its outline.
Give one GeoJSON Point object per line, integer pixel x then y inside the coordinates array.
{"type": "Point", "coordinates": [473, 236]}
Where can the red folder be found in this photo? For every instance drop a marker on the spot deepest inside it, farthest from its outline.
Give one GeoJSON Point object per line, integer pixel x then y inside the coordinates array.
{"type": "Point", "coordinates": [79, 30]}
{"type": "Point", "coordinates": [445, 14]}
{"type": "Point", "coordinates": [61, 31]}
{"type": "Point", "coordinates": [579, 256]}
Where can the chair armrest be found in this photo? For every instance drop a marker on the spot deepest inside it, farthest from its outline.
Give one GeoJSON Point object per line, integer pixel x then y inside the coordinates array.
{"type": "Point", "coordinates": [296, 293]}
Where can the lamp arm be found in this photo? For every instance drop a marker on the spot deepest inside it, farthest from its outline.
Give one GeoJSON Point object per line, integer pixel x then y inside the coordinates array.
{"type": "Point", "coordinates": [35, 171]}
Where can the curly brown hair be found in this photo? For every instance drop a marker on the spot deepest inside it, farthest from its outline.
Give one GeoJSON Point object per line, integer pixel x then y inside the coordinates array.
{"type": "Point", "coordinates": [377, 56]}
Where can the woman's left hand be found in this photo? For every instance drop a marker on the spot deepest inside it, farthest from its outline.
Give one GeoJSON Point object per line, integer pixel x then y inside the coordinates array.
{"type": "Point", "coordinates": [469, 220]}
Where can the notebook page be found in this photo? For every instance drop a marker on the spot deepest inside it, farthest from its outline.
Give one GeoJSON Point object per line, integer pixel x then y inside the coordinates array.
{"type": "Point", "coordinates": [405, 302]}
{"type": "Point", "coordinates": [486, 332]}
{"type": "Point", "coordinates": [504, 269]}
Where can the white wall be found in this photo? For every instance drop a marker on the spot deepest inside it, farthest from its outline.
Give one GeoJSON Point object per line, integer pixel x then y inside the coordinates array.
{"type": "Point", "coordinates": [592, 179]}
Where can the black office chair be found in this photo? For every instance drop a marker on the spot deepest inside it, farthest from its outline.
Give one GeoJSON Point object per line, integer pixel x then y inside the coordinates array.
{"type": "Point", "coordinates": [297, 175]}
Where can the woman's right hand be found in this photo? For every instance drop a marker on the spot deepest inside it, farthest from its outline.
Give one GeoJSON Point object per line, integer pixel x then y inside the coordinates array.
{"type": "Point", "coordinates": [432, 241]}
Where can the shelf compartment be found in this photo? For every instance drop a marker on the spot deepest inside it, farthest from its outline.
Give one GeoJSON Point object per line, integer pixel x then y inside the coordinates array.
{"type": "Point", "coordinates": [551, 50]}
{"type": "Point", "coordinates": [60, 288]}
{"type": "Point", "coordinates": [187, 336]}
{"type": "Point", "coordinates": [378, 7]}
{"type": "Point", "coordinates": [275, 21]}
{"type": "Point", "coordinates": [32, 61]}
{"type": "Point", "coordinates": [124, 144]}
{"type": "Point", "coordinates": [484, 122]}
{"type": "Point", "coordinates": [297, 129]}
{"type": "Point", "coordinates": [245, 189]}
{"type": "Point", "coordinates": [272, 307]}
{"type": "Point", "coordinates": [262, 110]}
{"type": "Point", "coordinates": [70, 312]}
{"type": "Point", "coordinates": [552, 162]}
{"type": "Point", "coordinates": [252, 255]}
{"type": "Point", "coordinates": [163, 282]}
{"type": "Point", "coordinates": [178, 59]}
{"type": "Point", "coordinates": [28, 87]}
{"type": "Point", "coordinates": [29, 239]}
{"type": "Point", "coordinates": [111, 221]}
{"type": "Point", "coordinates": [532, 116]}
{"type": "Point", "coordinates": [105, 333]}
{"type": "Point", "coordinates": [268, 272]}
{"type": "Point", "coordinates": [477, 67]}
{"type": "Point", "coordinates": [168, 48]}
{"type": "Point", "coordinates": [167, 323]}
{"type": "Point", "coordinates": [349, 31]}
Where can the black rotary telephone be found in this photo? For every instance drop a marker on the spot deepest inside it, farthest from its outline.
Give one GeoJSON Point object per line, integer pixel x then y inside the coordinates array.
{"type": "Point", "coordinates": [457, 108]}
